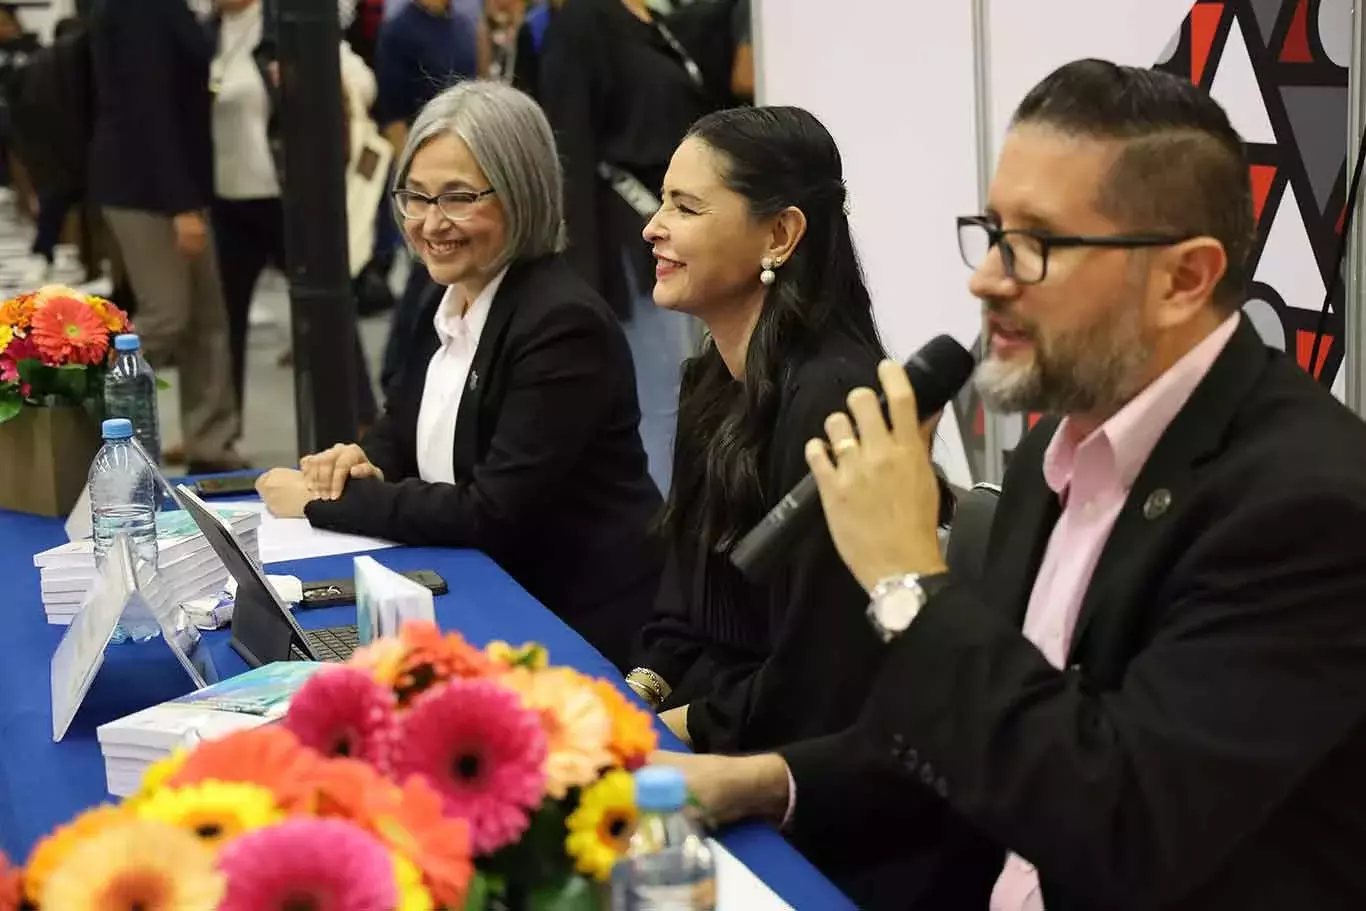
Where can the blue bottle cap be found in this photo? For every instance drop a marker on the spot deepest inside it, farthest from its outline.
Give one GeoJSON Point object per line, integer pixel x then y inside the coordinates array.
{"type": "Point", "coordinates": [127, 342]}
{"type": "Point", "coordinates": [660, 789]}
{"type": "Point", "coordinates": [117, 429]}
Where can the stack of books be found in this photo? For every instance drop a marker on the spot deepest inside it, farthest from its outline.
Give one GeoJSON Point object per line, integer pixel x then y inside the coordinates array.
{"type": "Point", "coordinates": [186, 562]}
{"type": "Point", "coordinates": [132, 744]}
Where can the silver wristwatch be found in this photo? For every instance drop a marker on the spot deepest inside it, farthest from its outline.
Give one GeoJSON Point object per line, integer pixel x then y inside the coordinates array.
{"type": "Point", "coordinates": [898, 600]}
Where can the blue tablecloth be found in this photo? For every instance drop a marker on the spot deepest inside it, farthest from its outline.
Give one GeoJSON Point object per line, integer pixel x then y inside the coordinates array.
{"type": "Point", "coordinates": [43, 783]}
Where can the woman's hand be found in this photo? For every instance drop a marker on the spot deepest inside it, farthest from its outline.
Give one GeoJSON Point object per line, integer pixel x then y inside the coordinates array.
{"type": "Point", "coordinates": [285, 492]}
{"type": "Point", "coordinates": [676, 720]}
{"type": "Point", "coordinates": [327, 472]}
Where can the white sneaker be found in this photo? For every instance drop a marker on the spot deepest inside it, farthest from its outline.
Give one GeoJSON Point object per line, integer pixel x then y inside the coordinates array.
{"type": "Point", "coordinates": [36, 272]}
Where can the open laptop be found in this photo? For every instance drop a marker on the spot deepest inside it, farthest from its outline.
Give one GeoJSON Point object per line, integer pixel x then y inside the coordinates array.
{"type": "Point", "coordinates": [263, 629]}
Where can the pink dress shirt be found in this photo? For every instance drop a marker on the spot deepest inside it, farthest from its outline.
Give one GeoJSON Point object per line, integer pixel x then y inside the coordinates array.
{"type": "Point", "coordinates": [1093, 477]}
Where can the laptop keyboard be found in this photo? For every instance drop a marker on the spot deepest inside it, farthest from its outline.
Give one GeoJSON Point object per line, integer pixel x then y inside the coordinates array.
{"type": "Point", "coordinates": [335, 643]}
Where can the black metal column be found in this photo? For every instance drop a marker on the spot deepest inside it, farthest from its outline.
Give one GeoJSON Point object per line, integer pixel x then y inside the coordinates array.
{"type": "Point", "coordinates": [323, 314]}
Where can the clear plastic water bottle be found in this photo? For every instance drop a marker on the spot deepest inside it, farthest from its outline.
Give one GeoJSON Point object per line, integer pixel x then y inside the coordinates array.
{"type": "Point", "coordinates": [130, 391]}
{"type": "Point", "coordinates": [123, 500]}
{"type": "Point", "coordinates": [668, 866]}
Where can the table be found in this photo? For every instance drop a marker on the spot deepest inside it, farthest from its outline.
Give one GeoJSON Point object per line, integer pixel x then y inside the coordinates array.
{"type": "Point", "coordinates": [43, 783]}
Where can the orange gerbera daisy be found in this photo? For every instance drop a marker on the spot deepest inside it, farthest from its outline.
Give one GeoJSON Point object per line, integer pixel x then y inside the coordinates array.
{"type": "Point", "coordinates": [17, 312]}
{"type": "Point", "coordinates": [52, 851]}
{"type": "Point", "coordinates": [577, 725]}
{"type": "Point", "coordinates": [114, 319]}
{"type": "Point", "coordinates": [268, 756]}
{"type": "Point", "coordinates": [439, 845]}
{"type": "Point", "coordinates": [633, 732]}
{"type": "Point", "coordinates": [350, 789]}
{"type": "Point", "coordinates": [431, 657]}
{"type": "Point", "coordinates": [66, 331]}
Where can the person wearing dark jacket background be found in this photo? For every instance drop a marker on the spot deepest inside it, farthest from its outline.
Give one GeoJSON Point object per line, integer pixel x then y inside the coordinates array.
{"type": "Point", "coordinates": [514, 429]}
{"type": "Point", "coordinates": [621, 92]}
{"type": "Point", "coordinates": [151, 171]}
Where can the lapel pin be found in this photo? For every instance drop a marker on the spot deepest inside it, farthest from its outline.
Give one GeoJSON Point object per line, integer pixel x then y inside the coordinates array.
{"type": "Point", "coordinates": [1157, 504]}
{"type": "Point", "coordinates": [474, 380]}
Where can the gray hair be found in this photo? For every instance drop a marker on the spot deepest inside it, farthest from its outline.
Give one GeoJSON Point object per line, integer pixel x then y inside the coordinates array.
{"type": "Point", "coordinates": [512, 141]}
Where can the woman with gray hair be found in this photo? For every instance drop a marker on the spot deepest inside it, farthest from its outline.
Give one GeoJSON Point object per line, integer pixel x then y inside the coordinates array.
{"type": "Point", "coordinates": [516, 430]}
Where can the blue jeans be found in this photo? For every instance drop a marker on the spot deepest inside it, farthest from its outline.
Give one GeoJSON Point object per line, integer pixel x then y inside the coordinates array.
{"type": "Point", "coordinates": [660, 341]}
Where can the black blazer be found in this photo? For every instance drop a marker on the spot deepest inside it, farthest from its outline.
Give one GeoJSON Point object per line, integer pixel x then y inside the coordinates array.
{"type": "Point", "coordinates": [549, 467]}
{"type": "Point", "coordinates": [1204, 748]}
{"type": "Point", "coordinates": [152, 150]}
{"type": "Point", "coordinates": [762, 665]}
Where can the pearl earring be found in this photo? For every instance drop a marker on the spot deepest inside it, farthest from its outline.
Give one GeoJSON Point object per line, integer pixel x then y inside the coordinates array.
{"type": "Point", "coordinates": [767, 276]}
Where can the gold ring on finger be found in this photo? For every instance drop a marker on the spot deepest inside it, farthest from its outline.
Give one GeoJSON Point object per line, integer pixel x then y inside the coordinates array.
{"type": "Point", "coordinates": [845, 446]}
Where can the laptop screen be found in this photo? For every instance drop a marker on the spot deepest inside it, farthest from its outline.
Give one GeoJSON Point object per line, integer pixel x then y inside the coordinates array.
{"type": "Point", "coordinates": [262, 626]}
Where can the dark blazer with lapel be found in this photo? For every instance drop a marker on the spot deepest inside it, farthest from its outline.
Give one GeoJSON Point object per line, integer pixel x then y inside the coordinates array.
{"type": "Point", "coordinates": [152, 148]}
{"type": "Point", "coordinates": [1204, 748]}
{"type": "Point", "coordinates": [550, 476]}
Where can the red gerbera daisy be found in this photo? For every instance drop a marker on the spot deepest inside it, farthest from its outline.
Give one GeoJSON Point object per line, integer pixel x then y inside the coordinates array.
{"type": "Point", "coordinates": [342, 712]}
{"type": "Point", "coordinates": [475, 743]}
{"type": "Point", "coordinates": [67, 331]}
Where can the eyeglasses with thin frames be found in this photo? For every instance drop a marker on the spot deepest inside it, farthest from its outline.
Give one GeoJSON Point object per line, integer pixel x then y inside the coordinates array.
{"type": "Point", "coordinates": [1024, 252]}
{"type": "Point", "coordinates": [454, 205]}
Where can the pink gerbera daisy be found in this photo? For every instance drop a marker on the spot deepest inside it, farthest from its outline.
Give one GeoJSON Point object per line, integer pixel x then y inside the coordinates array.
{"type": "Point", "coordinates": [342, 712]}
{"type": "Point", "coordinates": [484, 753]}
{"type": "Point", "coordinates": [318, 864]}
{"type": "Point", "coordinates": [67, 331]}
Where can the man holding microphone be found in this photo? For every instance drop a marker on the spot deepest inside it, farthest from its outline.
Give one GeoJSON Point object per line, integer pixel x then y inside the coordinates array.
{"type": "Point", "coordinates": [1156, 697]}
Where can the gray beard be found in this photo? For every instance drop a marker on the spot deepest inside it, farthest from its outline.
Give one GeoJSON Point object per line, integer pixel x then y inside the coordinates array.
{"type": "Point", "coordinates": [1092, 372]}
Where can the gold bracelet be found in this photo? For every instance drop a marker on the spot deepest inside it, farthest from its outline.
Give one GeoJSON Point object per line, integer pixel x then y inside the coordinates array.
{"type": "Point", "coordinates": [648, 685]}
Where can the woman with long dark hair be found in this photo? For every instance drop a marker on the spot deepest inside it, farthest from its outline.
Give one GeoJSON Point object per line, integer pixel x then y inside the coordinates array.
{"type": "Point", "coordinates": [753, 239]}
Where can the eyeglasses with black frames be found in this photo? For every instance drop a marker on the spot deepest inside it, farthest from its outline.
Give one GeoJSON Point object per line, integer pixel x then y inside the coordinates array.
{"type": "Point", "coordinates": [1024, 253]}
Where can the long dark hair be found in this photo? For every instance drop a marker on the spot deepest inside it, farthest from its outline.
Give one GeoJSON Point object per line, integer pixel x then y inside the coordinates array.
{"type": "Point", "coordinates": [775, 157]}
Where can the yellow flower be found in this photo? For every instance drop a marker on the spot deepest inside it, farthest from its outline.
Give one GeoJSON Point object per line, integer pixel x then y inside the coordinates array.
{"type": "Point", "coordinates": [600, 829]}
{"type": "Point", "coordinates": [143, 865]}
{"type": "Point", "coordinates": [6, 336]}
{"type": "Point", "coordinates": [52, 851]}
{"type": "Point", "coordinates": [412, 894]}
{"type": "Point", "coordinates": [577, 726]}
{"type": "Point", "coordinates": [214, 811]}
{"type": "Point", "coordinates": [530, 655]}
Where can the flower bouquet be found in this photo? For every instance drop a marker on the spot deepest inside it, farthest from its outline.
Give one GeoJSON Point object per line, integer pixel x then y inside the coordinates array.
{"type": "Point", "coordinates": [54, 346]}
{"type": "Point", "coordinates": [54, 349]}
{"type": "Point", "coordinates": [423, 774]}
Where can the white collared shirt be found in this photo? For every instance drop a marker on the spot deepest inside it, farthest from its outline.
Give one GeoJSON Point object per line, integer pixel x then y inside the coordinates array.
{"type": "Point", "coordinates": [448, 373]}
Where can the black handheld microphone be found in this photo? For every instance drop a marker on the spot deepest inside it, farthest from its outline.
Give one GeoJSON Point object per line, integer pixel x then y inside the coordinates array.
{"type": "Point", "coordinates": [937, 371]}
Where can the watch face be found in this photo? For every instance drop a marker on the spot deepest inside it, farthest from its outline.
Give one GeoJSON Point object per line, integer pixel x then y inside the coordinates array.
{"type": "Point", "coordinates": [898, 608]}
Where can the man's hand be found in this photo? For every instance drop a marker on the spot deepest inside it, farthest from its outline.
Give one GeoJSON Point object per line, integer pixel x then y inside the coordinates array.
{"type": "Point", "coordinates": [285, 492]}
{"type": "Point", "coordinates": [732, 788]}
{"type": "Point", "coordinates": [191, 234]}
{"type": "Point", "coordinates": [327, 472]}
{"type": "Point", "coordinates": [880, 493]}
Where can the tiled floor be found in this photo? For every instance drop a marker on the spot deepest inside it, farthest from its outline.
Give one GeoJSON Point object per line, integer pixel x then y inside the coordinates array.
{"type": "Point", "coordinates": [269, 430]}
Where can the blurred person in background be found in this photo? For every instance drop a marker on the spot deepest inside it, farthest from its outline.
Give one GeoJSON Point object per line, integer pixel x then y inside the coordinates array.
{"type": "Point", "coordinates": [621, 92]}
{"type": "Point", "coordinates": [248, 214]}
{"type": "Point", "coordinates": [152, 172]}
{"type": "Point", "coordinates": [514, 427]}
{"type": "Point", "coordinates": [52, 110]}
{"type": "Point", "coordinates": [16, 46]}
